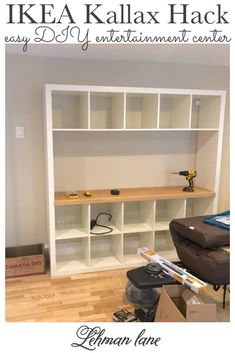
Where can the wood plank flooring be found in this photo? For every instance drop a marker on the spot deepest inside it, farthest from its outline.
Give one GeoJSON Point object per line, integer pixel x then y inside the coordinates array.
{"type": "Point", "coordinates": [91, 297]}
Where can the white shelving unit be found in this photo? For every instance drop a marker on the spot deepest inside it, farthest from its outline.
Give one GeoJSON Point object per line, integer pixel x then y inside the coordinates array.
{"type": "Point", "coordinates": [95, 139]}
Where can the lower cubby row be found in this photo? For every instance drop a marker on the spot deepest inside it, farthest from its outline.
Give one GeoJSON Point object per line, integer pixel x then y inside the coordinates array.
{"type": "Point", "coordinates": [110, 251]}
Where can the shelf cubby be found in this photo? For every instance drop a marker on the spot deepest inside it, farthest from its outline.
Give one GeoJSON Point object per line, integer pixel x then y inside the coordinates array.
{"type": "Point", "coordinates": [133, 241]}
{"type": "Point", "coordinates": [205, 112]}
{"type": "Point", "coordinates": [71, 221]}
{"type": "Point", "coordinates": [163, 245]}
{"type": "Point", "coordinates": [141, 111]}
{"type": "Point", "coordinates": [70, 110]}
{"type": "Point", "coordinates": [199, 206]}
{"type": "Point", "coordinates": [174, 111]}
{"type": "Point", "coordinates": [166, 210]}
{"type": "Point", "coordinates": [105, 250]}
{"type": "Point", "coordinates": [138, 216]}
{"type": "Point", "coordinates": [116, 221]}
{"type": "Point", "coordinates": [106, 110]}
{"type": "Point", "coordinates": [72, 255]}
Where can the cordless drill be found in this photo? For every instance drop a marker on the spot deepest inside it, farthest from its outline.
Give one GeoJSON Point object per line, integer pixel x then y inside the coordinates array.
{"type": "Point", "coordinates": [189, 174]}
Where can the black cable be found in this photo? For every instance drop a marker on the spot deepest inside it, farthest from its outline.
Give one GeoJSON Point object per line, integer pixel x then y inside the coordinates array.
{"type": "Point", "coordinates": [95, 223]}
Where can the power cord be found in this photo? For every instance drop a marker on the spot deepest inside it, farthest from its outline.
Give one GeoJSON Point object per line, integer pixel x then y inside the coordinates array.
{"type": "Point", "coordinates": [94, 223]}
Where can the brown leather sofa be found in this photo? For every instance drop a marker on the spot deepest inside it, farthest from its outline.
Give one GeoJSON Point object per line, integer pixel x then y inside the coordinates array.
{"type": "Point", "coordinates": [203, 249]}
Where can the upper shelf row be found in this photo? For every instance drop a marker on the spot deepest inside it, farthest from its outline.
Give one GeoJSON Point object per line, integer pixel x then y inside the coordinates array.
{"type": "Point", "coordinates": [100, 110]}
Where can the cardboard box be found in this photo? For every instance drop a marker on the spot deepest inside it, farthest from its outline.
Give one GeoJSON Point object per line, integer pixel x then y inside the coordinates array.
{"type": "Point", "coordinates": [179, 304]}
{"type": "Point", "coordinates": [25, 260]}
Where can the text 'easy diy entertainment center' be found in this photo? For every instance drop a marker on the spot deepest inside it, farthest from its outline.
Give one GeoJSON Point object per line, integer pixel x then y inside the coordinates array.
{"type": "Point", "coordinates": [100, 138]}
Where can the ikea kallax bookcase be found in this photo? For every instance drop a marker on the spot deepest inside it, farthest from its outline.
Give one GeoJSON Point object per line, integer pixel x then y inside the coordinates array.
{"type": "Point", "coordinates": [99, 138]}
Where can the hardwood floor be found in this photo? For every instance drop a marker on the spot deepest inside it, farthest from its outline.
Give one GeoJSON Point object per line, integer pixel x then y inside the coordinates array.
{"type": "Point", "coordinates": [91, 297]}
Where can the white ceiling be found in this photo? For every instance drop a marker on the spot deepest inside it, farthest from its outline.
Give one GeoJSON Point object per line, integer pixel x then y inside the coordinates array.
{"type": "Point", "coordinates": [200, 54]}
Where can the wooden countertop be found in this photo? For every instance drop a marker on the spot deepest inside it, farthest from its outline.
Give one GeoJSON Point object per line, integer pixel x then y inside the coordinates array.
{"type": "Point", "coordinates": [131, 194]}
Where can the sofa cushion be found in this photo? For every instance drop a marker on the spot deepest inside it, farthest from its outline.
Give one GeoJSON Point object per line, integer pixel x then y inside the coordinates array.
{"type": "Point", "coordinates": [210, 265]}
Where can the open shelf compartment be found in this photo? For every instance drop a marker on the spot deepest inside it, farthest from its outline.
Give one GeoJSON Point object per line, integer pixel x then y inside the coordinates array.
{"type": "Point", "coordinates": [164, 246]}
{"type": "Point", "coordinates": [70, 110]}
{"type": "Point", "coordinates": [174, 111]}
{"type": "Point", "coordinates": [106, 110]}
{"type": "Point", "coordinates": [138, 216]}
{"type": "Point", "coordinates": [141, 111]}
{"type": "Point", "coordinates": [199, 206]}
{"type": "Point", "coordinates": [106, 209]}
{"type": "Point", "coordinates": [166, 210]}
{"type": "Point", "coordinates": [205, 112]}
{"type": "Point", "coordinates": [72, 255]}
{"type": "Point", "coordinates": [131, 243]}
{"type": "Point", "coordinates": [71, 221]}
{"type": "Point", "coordinates": [106, 250]}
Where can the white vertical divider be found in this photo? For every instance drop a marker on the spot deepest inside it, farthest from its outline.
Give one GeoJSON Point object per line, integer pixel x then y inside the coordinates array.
{"type": "Point", "coordinates": [86, 249]}
{"type": "Point", "coordinates": [50, 176]}
{"type": "Point", "coordinates": [219, 152]}
{"type": "Point", "coordinates": [185, 207]}
{"type": "Point", "coordinates": [158, 110]}
{"type": "Point", "coordinates": [86, 217]}
{"type": "Point", "coordinates": [117, 215]}
{"type": "Point", "coordinates": [122, 228]}
{"type": "Point", "coordinates": [84, 109]}
{"type": "Point", "coordinates": [124, 111]}
{"type": "Point", "coordinates": [89, 238]}
{"type": "Point", "coordinates": [117, 246]}
{"type": "Point", "coordinates": [118, 111]}
{"type": "Point", "coordinates": [122, 216]}
{"type": "Point", "coordinates": [190, 111]}
{"type": "Point", "coordinates": [147, 211]}
{"type": "Point", "coordinates": [89, 110]}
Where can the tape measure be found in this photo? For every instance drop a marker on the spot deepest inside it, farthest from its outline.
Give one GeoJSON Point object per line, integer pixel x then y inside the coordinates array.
{"type": "Point", "coordinates": [72, 195]}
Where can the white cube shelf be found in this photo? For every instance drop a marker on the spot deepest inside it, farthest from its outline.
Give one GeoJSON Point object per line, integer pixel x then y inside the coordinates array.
{"type": "Point", "coordinates": [106, 110]}
{"type": "Point", "coordinates": [174, 111]}
{"type": "Point", "coordinates": [166, 210]}
{"type": "Point", "coordinates": [71, 221]}
{"type": "Point", "coordinates": [70, 111]}
{"type": "Point", "coordinates": [141, 111]}
{"type": "Point", "coordinates": [197, 207]}
{"type": "Point", "coordinates": [104, 210]}
{"type": "Point", "coordinates": [106, 250]}
{"type": "Point", "coordinates": [205, 112]}
{"type": "Point", "coordinates": [72, 255]}
{"type": "Point", "coordinates": [164, 246]}
{"type": "Point", "coordinates": [138, 216]}
{"type": "Point", "coordinates": [179, 129]}
{"type": "Point", "coordinates": [133, 241]}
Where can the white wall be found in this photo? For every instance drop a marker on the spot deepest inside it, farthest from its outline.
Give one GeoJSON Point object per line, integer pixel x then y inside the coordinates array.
{"type": "Point", "coordinates": [25, 162]}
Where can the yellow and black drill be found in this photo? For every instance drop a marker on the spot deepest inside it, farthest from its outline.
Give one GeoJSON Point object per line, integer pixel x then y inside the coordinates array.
{"type": "Point", "coordinates": [190, 175]}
